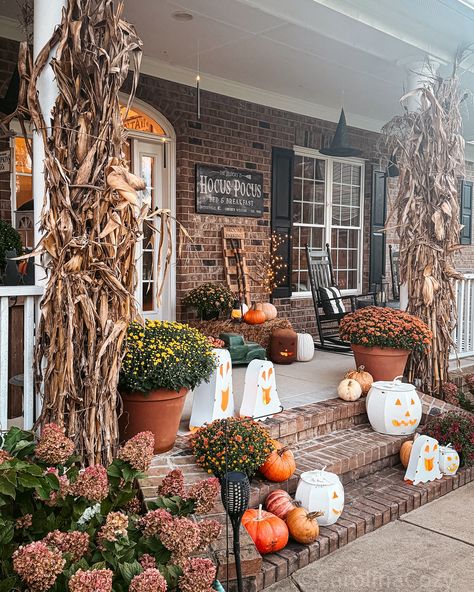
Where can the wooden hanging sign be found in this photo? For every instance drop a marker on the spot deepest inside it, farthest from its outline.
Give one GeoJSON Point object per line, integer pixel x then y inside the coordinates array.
{"type": "Point", "coordinates": [5, 161]}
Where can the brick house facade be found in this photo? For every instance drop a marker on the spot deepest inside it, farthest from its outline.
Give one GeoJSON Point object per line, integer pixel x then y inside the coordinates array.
{"type": "Point", "coordinates": [235, 133]}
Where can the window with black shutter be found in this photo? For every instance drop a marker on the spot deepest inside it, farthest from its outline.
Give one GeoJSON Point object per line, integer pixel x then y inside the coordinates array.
{"type": "Point", "coordinates": [465, 208]}
{"type": "Point", "coordinates": [377, 234]}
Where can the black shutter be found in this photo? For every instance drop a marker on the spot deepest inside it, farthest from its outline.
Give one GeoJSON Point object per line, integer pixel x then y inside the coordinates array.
{"type": "Point", "coordinates": [282, 213]}
{"type": "Point", "coordinates": [377, 234]}
{"type": "Point", "coordinates": [465, 209]}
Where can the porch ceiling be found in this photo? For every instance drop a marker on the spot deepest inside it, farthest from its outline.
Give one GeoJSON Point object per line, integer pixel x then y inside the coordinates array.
{"type": "Point", "coordinates": [305, 55]}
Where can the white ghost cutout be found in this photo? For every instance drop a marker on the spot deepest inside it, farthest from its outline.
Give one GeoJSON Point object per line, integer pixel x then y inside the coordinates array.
{"type": "Point", "coordinates": [214, 399]}
{"type": "Point", "coordinates": [260, 390]}
{"type": "Point", "coordinates": [423, 465]}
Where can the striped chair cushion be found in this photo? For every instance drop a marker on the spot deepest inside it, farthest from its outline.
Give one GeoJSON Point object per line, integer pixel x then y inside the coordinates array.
{"type": "Point", "coordinates": [331, 301]}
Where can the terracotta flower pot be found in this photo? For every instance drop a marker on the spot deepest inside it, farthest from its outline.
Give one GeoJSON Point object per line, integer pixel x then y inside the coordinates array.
{"type": "Point", "coordinates": [159, 411]}
{"type": "Point", "coordinates": [384, 363]}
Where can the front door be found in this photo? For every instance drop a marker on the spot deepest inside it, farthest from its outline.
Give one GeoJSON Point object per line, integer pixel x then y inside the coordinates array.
{"type": "Point", "coordinates": [148, 162]}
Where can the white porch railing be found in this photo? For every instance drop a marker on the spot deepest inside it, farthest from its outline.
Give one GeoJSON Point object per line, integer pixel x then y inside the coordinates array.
{"type": "Point", "coordinates": [29, 297]}
{"type": "Point", "coordinates": [463, 336]}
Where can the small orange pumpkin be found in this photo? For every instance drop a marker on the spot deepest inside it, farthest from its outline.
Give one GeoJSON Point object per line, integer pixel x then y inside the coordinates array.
{"type": "Point", "coordinates": [362, 377]}
{"type": "Point", "coordinates": [303, 526]}
{"type": "Point", "coordinates": [254, 316]}
{"type": "Point", "coordinates": [268, 532]}
{"type": "Point", "coordinates": [280, 464]}
{"type": "Point", "coordinates": [405, 452]}
{"type": "Point", "coordinates": [279, 502]}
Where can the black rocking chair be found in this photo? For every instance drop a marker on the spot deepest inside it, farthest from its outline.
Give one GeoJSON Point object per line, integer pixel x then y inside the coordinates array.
{"type": "Point", "coordinates": [321, 275]}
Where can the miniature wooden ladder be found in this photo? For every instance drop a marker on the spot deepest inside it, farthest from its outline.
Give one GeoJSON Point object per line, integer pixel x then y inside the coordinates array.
{"type": "Point", "coordinates": [235, 264]}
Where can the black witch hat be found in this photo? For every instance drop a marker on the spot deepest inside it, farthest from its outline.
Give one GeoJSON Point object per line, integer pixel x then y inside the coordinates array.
{"type": "Point", "coordinates": [340, 145]}
{"type": "Point", "coordinates": [10, 101]}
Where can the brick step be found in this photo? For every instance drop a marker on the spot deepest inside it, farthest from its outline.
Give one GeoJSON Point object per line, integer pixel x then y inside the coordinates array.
{"type": "Point", "coordinates": [351, 453]}
{"type": "Point", "coordinates": [371, 502]}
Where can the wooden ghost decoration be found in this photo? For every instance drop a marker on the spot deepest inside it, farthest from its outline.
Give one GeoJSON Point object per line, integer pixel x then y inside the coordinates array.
{"type": "Point", "coordinates": [260, 391]}
{"type": "Point", "coordinates": [423, 465]}
{"type": "Point", "coordinates": [214, 399]}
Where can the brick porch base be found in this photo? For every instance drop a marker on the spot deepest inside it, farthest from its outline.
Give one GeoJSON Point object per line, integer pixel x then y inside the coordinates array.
{"type": "Point", "coordinates": [334, 434]}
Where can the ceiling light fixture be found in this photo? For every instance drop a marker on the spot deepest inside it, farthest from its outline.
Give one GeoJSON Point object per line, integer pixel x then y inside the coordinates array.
{"type": "Point", "coordinates": [182, 17]}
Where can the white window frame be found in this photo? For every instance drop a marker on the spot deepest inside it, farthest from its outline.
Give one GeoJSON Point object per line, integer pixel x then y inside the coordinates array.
{"type": "Point", "coordinates": [328, 226]}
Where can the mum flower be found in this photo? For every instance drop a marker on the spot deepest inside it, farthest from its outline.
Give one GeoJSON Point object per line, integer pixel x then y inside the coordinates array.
{"type": "Point", "coordinates": [53, 446]}
{"type": "Point", "coordinates": [92, 483]}
{"type": "Point", "coordinates": [181, 536]}
{"type": "Point", "coordinates": [150, 580]}
{"type": "Point", "coordinates": [38, 566]}
{"type": "Point", "coordinates": [76, 543]}
{"type": "Point", "coordinates": [152, 523]}
{"type": "Point", "coordinates": [198, 575]}
{"type": "Point", "coordinates": [138, 451]}
{"type": "Point", "coordinates": [172, 484]}
{"type": "Point", "coordinates": [204, 494]}
{"type": "Point", "coordinates": [94, 580]}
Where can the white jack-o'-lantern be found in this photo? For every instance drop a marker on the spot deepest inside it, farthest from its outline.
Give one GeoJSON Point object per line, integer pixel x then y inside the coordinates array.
{"type": "Point", "coordinates": [214, 399]}
{"type": "Point", "coordinates": [393, 407]}
{"type": "Point", "coordinates": [321, 491]}
{"type": "Point", "coordinates": [448, 460]}
{"type": "Point", "coordinates": [423, 465]}
{"type": "Point", "coordinates": [260, 391]}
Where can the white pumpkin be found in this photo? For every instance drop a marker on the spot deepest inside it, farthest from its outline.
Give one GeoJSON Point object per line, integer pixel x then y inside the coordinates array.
{"type": "Point", "coordinates": [304, 347]}
{"type": "Point", "coordinates": [269, 310]}
{"type": "Point", "coordinates": [349, 390]}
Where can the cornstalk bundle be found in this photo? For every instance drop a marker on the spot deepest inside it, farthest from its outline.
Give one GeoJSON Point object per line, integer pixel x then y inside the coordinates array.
{"type": "Point", "coordinates": [91, 221]}
{"type": "Point", "coordinates": [429, 149]}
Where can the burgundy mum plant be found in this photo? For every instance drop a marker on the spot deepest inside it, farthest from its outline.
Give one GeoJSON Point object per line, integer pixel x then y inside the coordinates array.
{"type": "Point", "coordinates": [64, 528]}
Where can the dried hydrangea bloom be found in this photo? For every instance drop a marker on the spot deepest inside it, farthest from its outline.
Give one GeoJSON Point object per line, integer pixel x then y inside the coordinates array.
{"type": "Point", "coordinates": [209, 530]}
{"type": "Point", "coordinates": [204, 493]}
{"type": "Point", "coordinates": [181, 537]}
{"type": "Point", "coordinates": [134, 506]}
{"type": "Point", "coordinates": [24, 521]}
{"type": "Point", "coordinates": [147, 561]}
{"type": "Point", "coordinates": [64, 488]}
{"type": "Point", "coordinates": [150, 580]}
{"type": "Point", "coordinates": [53, 446]}
{"type": "Point", "coordinates": [138, 451]}
{"type": "Point", "coordinates": [93, 580]}
{"type": "Point", "coordinates": [152, 523]}
{"type": "Point", "coordinates": [172, 484]}
{"type": "Point", "coordinates": [92, 483]}
{"type": "Point", "coordinates": [76, 543]}
{"type": "Point", "coordinates": [115, 527]}
{"type": "Point", "coordinates": [38, 566]}
{"type": "Point", "coordinates": [4, 456]}
{"type": "Point", "coordinates": [198, 575]}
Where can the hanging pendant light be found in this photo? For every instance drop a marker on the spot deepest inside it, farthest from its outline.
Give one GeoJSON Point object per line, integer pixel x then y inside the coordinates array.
{"type": "Point", "coordinates": [340, 143]}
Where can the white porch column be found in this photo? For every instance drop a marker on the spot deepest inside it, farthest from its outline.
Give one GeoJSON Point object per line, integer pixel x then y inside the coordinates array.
{"type": "Point", "coordinates": [47, 15]}
{"type": "Point", "coordinates": [418, 75]}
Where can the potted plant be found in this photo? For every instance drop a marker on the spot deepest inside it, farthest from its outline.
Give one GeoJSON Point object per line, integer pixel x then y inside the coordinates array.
{"type": "Point", "coordinates": [9, 241]}
{"type": "Point", "coordinates": [382, 339]}
{"type": "Point", "coordinates": [210, 300]}
{"type": "Point", "coordinates": [162, 362]}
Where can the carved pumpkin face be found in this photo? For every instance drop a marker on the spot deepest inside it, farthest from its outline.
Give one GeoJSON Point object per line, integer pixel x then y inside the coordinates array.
{"type": "Point", "coordinates": [448, 460]}
{"type": "Point", "coordinates": [404, 413]}
{"type": "Point", "coordinates": [336, 508]}
{"type": "Point", "coordinates": [283, 344]}
{"type": "Point", "coordinates": [396, 411]}
{"type": "Point", "coordinates": [321, 491]}
{"type": "Point", "coordinates": [423, 465]}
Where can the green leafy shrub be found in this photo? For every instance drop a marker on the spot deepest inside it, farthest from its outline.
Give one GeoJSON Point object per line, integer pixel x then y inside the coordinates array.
{"type": "Point", "coordinates": [64, 528]}
{"type": "Point", "coordinates": [9, 241]}
{"type": "Point", "coordinates": [240, 444]}
{"type": "Point", "coordinates": [167, 355]}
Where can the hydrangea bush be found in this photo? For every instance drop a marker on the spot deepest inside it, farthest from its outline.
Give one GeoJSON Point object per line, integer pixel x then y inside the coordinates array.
{"type": "Point", "coordinates": [66, 528]}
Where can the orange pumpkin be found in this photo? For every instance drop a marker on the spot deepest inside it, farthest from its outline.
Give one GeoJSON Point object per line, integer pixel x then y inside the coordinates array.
{"type": "Point", "coordinates": [279, 502]}
{"type": "Point", "coordinates": [254, 316]}
{"type": "Point", "coordinates": [303, 526]}
{"type": "Point", "coordinates": [362, 377]}
{"type": "Point", "coordinates": [280, 465]}
{"type": "Point", "coordinates": [268, 532]}
{"type": "Point", "coordinates": [405, 452]}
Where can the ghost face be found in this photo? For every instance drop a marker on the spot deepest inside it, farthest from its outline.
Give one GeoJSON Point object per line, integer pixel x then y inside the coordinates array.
{"type": "Point", "coordinates": [423, 465]}
{"type": "Point", "coordinates": [267, 384]}
{"type": "Point", "coordinates": [223, 384]}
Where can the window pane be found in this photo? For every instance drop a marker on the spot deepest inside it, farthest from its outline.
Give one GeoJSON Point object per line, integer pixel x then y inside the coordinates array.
{"type": "Point", "coordinates": [24, 190]}
{"type": "Point", "coordinates": [298, 170]}
{"type": "Point", "coordinates": [22, 157]}
{"type": "Point", "coordinates": [308, 168]}
{"type": "Point", "coordinates": [345, 257]}
{"type": "Point", "coordinates": [147, 301]}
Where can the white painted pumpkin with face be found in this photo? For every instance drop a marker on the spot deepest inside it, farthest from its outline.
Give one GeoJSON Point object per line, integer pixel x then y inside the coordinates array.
{"type": "Point", "coordinates": [260, 390]}
{"type": "Point", "coordinates": [448, 460]}
{"type": "Point", "coordinates": [393, 408]}
{"type": "Point", "coordinates": [423, 465]}
{"type": "Point", "coordinates": [321, 491]}
{"type": "Point", "coordinates": [214, 399]}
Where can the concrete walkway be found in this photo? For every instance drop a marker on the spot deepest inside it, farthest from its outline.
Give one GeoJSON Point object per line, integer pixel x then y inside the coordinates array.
{"type": "Point", "coordinates": [428, 550]}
